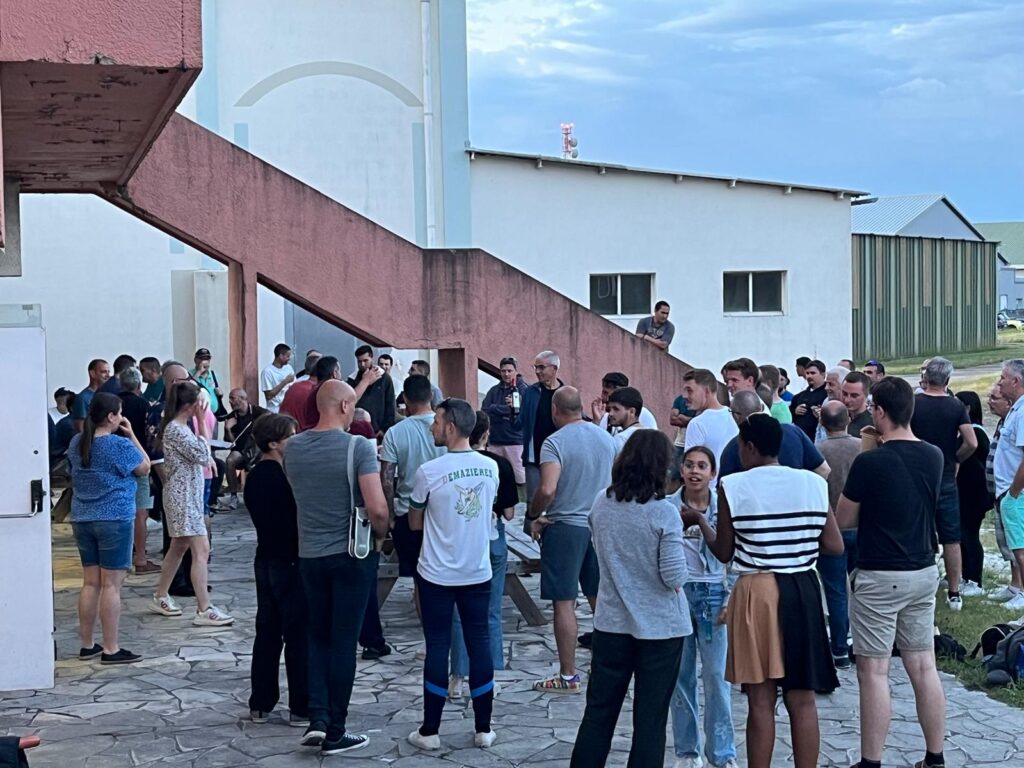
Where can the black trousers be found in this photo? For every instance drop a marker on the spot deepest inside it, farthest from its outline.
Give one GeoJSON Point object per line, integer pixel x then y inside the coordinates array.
{"type": "Point", "coordinates": [653, 665]}
{"type": "Point", "coordinates": [972, 552]}
{"type": "Point", "coordinates": [372, 633]}
{"type": "Point", "coordinates": [336, 591]}
{"type": "Point", "coordinates": [280, 623]}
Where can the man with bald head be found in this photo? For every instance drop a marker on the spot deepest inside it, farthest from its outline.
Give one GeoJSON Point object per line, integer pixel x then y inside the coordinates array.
{"type": "Point", "coordinates": [319, 464]}
{"type": "Point", "coordinates": [839, 448]}
{"type": "Point", "coordinates": [575, 464]}
{"type": "Point", "coordinates": [238, 430]}
{"type": "Point", "coordinates": [797, 450]}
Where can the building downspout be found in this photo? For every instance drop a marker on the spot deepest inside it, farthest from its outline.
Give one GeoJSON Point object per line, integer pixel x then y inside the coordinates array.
{"type": "Point", "coordinates": [428, 123]}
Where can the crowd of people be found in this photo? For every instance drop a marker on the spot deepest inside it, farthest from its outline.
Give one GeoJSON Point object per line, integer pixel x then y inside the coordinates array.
{"type": "Point", "coordinates": [720, 546]}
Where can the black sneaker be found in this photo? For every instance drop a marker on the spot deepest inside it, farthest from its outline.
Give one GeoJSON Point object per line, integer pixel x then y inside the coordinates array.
{"type": "Point", "coordinates": [586, 640]}
{"type": "Point", "coordinates": [346, 743]}
{"type": "Point", "coordinates": [90, 653]}
{"type": "Point", "coordinates": [314, 735]}
{"type": "Point", "coordinates": [842, 662]}
{"type": "Point", "coordinates": [370, 654]}
{"type": "Point", "coordinates": [121, 657]}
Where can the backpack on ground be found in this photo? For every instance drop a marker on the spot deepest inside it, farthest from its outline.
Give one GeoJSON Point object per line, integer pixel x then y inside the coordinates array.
{"type": "Point", "coordinates": [989, 640]}
{"type": "Point", "coordinates": [1003, 668]}
{"type": "Point", "coordinates": [948, 646]}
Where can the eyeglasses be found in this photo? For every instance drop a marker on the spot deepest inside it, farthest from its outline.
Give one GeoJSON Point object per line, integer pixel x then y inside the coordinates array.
{"type": "Point", "coordinates": [542, 367]}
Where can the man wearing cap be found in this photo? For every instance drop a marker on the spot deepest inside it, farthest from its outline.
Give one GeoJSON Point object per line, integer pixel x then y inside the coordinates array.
{"type": "Point", "coordinates": [206, 377]}
{"type": "Point", "coordinates": [875, 371]}
{"type": "Point", "coordinates": [506, 437]}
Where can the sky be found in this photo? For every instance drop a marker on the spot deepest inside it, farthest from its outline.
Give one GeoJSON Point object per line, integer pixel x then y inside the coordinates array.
{"type": "Point", "coordinates": [885, 96]}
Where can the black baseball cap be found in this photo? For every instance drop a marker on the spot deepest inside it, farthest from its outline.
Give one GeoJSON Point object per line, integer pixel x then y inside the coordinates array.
{"type": "Point", "coordinates": [202, 354]}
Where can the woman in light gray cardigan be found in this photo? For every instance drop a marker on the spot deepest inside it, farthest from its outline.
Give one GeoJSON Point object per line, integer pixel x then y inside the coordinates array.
{"type": "Point", "coordinates": [642, 615]}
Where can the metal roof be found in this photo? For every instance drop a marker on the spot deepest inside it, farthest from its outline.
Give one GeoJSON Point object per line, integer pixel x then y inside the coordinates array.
{"type": "Point", "coordinates": [1010, 235]}
{"type": "Point", "coordinates": [540, 160]}
{"type": "Point", "coordinates": [891, 215]}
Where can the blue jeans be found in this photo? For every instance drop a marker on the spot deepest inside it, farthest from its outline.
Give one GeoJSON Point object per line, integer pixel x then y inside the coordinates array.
{"type": "Point", "coordinates": [336, 592]}
{"type": "Point", "coordinates": [460, 659]}
{"type": "Point", "coordinates": [833, 572]}
{"type": "Point", "coordinates": [712, 640]}
{"type": "Point", "coordinates": [437, 605]}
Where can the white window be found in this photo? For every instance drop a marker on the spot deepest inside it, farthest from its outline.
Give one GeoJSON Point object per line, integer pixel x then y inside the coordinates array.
{"type": "Point", "coordinates": [621, 294]}
{"type": "Point", "coordinates": [753, 292]}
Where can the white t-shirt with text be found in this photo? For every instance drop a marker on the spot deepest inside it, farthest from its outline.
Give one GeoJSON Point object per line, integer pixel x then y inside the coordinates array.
{"type": "Point", "coordinates": [456, 492]}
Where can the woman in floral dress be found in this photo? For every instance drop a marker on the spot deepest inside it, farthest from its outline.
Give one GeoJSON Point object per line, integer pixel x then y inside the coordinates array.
{"type": "Point", "coordinates": [185, 456]}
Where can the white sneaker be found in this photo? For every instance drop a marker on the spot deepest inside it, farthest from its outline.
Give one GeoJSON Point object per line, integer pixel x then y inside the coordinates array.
{"type": "Point", "coordinates": [454, 688]}
{"type": "Point", "coordinates": [970, 589]}
{"type": "Point", "coordinates": [690, 761]}
{"type": "Point", "coordinates": [212, 617]}
{"type": "Point", "coordinates": [420, 741]}
{"type": "Point", "coordinates": [955, 602]}
{"type": "Point", "coordinates": [165, 606]}
{"type": "Point", "coordinates": [1016, 603]}
{"type": "Point", "coordinates": [1003, 594]}
{"type": "Point", "coordinates": [233, 501]}
{"type": "Point", "coordinates": [485, 739]}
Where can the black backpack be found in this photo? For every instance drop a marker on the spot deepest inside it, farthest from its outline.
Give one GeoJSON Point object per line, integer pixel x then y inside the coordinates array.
{"type": "Point", "coordinates": [1002, 667]}
{"type": "Point", "coordinates": [946, 645]}
{"type": "Point", "coordinates": [990, 640]}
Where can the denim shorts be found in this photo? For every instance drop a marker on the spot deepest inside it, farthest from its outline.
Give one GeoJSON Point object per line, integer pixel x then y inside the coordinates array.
{"type": "Point", "coordinates": [568, 562]}
{"type": "Point", "coordinates": [106, 543]}
{"type": "Point", "coordinates": [143, 496]}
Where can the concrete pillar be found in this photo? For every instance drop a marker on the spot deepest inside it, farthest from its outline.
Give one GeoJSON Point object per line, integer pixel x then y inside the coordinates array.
{"type": "Point", "coordinates": [457, 374]}
{"type": "Point", "coordinates": [243, 327]}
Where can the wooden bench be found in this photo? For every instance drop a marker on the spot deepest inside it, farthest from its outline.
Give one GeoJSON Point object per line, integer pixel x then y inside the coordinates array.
{"type": "Point", "coordinates": [523, 560]}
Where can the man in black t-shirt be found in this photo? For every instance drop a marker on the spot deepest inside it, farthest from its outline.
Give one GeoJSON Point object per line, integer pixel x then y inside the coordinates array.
{"type": "Point", "coordinates": [890, 497]}
{"type": "Point", "coordinates": [942, 420]}
{"type": "Point", "coordinates": [803, 403]}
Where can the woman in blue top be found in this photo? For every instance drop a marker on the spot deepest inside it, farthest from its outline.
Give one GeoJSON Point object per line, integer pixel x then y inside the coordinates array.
{"type": "Point", "coordinates": [104, 461]}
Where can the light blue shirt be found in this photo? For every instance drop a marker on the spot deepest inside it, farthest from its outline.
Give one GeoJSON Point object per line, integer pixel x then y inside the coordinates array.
{"type": "Point", "coordinates": [409, 445]}
{"type": "Point", "coordinates": [1010, 450]}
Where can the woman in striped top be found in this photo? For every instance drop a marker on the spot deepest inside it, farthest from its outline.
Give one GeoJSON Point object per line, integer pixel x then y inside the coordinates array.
{"type": "Point", "coordinates": [772, 523]}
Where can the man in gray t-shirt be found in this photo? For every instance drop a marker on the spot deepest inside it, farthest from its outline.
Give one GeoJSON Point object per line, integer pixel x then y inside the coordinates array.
{"type": "Point", "coordinates": [656, 329]}
{"type": "Point", "coordinates": [575, 464]}
{"type": "Point", "coordinates": [337, 584]}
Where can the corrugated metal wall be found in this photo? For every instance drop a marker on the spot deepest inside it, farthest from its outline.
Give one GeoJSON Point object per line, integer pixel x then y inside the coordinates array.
{"type": "Point", "coordinates": [917, 296]}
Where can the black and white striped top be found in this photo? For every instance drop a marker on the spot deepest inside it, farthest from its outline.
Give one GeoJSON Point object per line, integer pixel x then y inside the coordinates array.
{"type": "Point", "coordinates": [778, 514]}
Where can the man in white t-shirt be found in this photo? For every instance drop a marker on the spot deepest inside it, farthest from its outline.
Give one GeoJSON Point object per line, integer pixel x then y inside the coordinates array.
{"type": "Point", "coordinates": [713, 427]}
{"type": "Point", "coordinates": [277, 377]}
{"type": "Point", "coordinates": [452, 502]}
{"type": "Point", "coordinates": [624, 407]}
{"type": "Point", "coordinates": [599, 406]}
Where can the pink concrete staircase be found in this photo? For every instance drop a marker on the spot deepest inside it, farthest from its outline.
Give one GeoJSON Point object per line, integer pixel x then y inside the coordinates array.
{"type": "Point", "coordinates": [271, 229]}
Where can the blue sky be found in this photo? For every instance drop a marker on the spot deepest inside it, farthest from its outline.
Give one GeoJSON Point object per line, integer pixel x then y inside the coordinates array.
{"type": "Point", "coordinates": [888, 96]}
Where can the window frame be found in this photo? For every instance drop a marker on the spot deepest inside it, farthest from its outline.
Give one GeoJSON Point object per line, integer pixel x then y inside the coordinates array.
{"type": "Point", "coordinates": [750, 312]}
{"type": "Point", "coordinates": [618, 292]}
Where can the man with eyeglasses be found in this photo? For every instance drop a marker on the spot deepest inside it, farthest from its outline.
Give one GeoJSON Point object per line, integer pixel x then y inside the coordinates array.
{"type": "Point", "coordinates": [999, 405]}
{"type": "Point", "coordinates": [506, 438]}
{"type": "Point", "coordinates": [535, 417]}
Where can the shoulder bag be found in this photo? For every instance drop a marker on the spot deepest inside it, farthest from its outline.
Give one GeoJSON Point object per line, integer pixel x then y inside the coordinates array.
{"type": "Point", "coordinates": [360, 534]}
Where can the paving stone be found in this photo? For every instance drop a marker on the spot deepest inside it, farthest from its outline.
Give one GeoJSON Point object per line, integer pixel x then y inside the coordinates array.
{"type": "Point", "coordinates": [186, 704]}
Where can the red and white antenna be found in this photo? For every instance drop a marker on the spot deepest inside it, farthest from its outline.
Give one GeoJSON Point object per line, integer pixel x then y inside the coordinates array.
{"type": "Point", "coordinates": [569, 143]}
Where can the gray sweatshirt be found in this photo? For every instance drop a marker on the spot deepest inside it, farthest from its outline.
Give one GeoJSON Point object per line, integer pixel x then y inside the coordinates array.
{"type": "Point", "coordinates": [643, 569]}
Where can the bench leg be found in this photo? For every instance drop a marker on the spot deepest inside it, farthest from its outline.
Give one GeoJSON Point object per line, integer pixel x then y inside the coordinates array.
{"type": "Point", "coordinates": [514, 588]}
{"type": "Point", "coordinates": [384, 587]}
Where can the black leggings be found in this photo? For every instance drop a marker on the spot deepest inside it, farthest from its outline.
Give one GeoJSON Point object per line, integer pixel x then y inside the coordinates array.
{"type": "Point", "coordinates": [971, 551]}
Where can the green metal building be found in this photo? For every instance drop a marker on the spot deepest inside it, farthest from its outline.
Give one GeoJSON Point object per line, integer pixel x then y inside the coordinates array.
{"type": "Point", "coordinates": [924, 279]}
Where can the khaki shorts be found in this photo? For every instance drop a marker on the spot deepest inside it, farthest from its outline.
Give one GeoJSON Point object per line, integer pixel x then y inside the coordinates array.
{"type": "Point", "coordinates": [888, 607]}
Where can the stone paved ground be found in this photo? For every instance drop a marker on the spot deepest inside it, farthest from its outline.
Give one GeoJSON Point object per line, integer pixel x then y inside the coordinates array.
{"type": "Point", "coordinates": [186, 703]}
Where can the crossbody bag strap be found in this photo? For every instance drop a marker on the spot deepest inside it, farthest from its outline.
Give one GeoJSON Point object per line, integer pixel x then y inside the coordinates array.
{"type": "Point", "coordinates": [351, 473]}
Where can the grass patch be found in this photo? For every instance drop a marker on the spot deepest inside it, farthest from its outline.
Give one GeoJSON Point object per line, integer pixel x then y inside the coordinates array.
{"type": "Point", "coordinates": [1009, 343]}
{"type": "Point", "coordinates": [978, 615]}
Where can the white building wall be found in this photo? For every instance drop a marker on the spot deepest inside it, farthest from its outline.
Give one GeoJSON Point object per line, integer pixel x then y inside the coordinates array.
{"type": "Point", "coordinates": [561, 224]}
{"type": "Point", "coordinates": [329, 92]}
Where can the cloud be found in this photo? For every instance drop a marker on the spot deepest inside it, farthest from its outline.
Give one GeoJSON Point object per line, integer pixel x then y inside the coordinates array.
{"type": "Point", "coordinates": [543, 39]}
{"type": "Point", "coordinates": [918, 88]}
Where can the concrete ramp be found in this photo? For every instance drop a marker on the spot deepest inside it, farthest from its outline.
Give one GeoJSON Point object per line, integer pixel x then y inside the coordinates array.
{"type": "Point", "coordinates": [271, 229]}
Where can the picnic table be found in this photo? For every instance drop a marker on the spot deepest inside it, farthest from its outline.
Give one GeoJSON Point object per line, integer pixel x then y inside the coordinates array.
{"type": "Point", "coordinates": [523, 560]}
